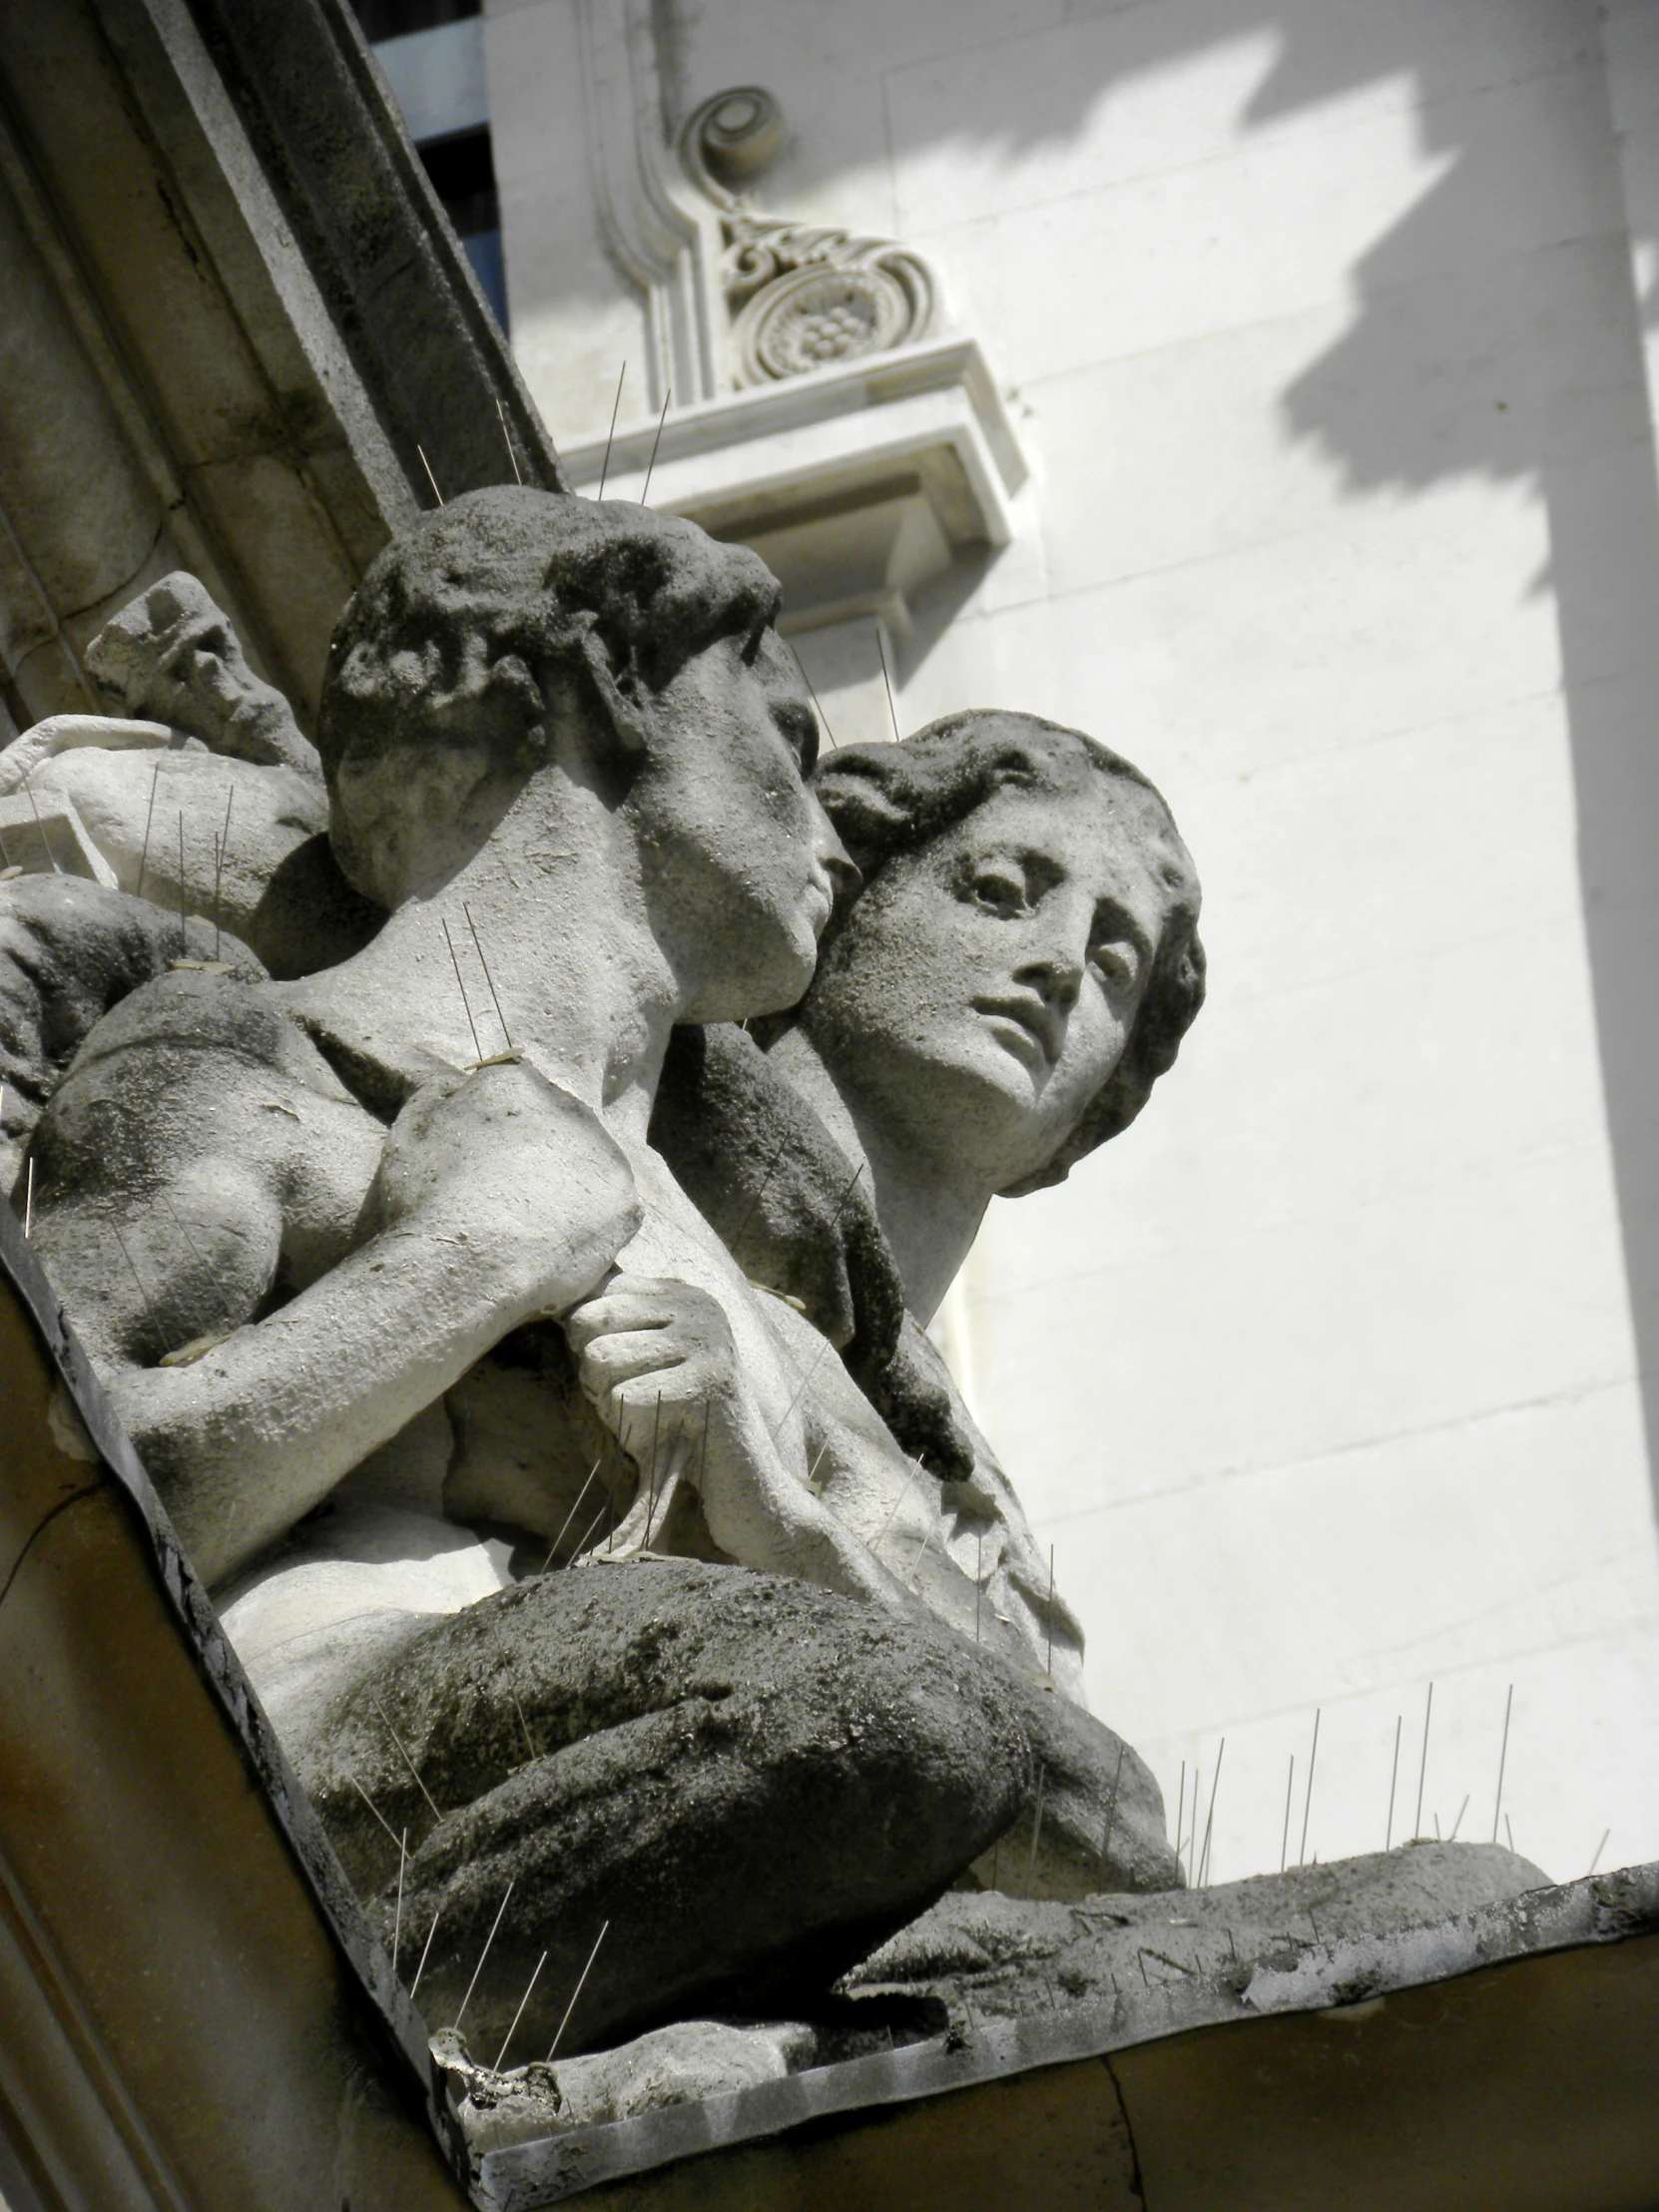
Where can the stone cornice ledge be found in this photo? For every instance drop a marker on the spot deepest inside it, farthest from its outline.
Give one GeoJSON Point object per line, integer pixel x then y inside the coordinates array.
{"type": "Point", "coordinates": [1338, 1980]}
{"type": "Point", "coordinates": [924, 425]}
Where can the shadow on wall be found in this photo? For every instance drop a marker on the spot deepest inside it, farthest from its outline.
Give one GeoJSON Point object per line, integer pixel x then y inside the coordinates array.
{"type": "Point", "coordinates": [1497, 333]}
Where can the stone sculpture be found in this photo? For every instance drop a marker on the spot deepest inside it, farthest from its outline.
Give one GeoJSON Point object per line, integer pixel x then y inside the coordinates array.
{"type": "Point", "coordinates": [387, 1309]}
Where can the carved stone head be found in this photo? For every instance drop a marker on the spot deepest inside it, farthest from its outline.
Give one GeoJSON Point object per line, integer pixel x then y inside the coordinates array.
{"type": "Point", "coordinates": [479, 629]}
{"type": "Point", "coordinates": [1022, 959]}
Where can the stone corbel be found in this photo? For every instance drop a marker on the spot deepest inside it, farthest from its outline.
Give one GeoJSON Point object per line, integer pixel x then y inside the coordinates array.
{"type": "Point", "coordinates": [814, 402]}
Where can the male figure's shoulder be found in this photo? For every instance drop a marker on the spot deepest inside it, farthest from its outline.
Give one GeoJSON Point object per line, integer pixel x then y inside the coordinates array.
{"type": "Point", "coordinates": [198, 1027]}
{"type": "Point", "coordinates": [190, 1064]}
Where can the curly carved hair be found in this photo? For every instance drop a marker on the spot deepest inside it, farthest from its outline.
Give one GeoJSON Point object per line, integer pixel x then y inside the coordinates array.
{"type": "Point", "coordinates": [887, 800]}
{"type": "Point", "coordinates": [447, 640]}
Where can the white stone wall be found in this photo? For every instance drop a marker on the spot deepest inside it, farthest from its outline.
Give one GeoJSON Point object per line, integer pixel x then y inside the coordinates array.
{"type": "Point", "coordinates": [1322, 323]}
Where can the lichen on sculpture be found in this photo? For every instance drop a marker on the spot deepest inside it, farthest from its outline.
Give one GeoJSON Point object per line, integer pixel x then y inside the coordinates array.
{"type": "Point", "coordinates": [598, 1569]}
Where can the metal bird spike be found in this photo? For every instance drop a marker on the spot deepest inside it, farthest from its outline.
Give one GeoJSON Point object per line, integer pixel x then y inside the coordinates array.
{"type": "Point", "coordinates": [812, 693]}
{"type": "Point", "coordinates": [530, 1741]}
{"type": "Point", "coordinates": [149, 813]}
{"type": "Point", "coordinates": [605, 466]}
{"type": "Point", "coordinates": [489, 978]}
{"type": "Point", "coordinates": [222, 845]}
{"type": "Point", "coordinates": [1423, 1767]}
{"type": "Point", "coordinates": [645, 489]}
{"type": "Point", "coordinates": [183, 927]}
{"type": "Point", "coordinates": [1502, 1757]}
{"type": "Point", "coordinates": [1285, 1839]}
{"type": "Point", "coordinates": [571, 1515]}
{"type": "Point", "coordinates": [45, 840]}
{"type": "Point", "coordinates": [430, 478]}
{"type": "Point", "coordinates": [1394, 1777]}
{"type": "Point", "coordinates": [484, 1954]}
{"type": "Point", "coordinates": [1111, 1812]}
{"type": "Point", "coordinates": [571, 2006]}
{"type": "Point", "coordinates": [478, 1048]}
{"type": "Point", "coordinates": [519, 2014]}
{"type": "Point", "coordinates": [1036, 1829]}
{"type": "Point", "coordinates": [1307, 1795]}
{"type": "Point", "coordinates": [1209, 1818]}
{"type": "Point", "coordinates": [374, 1807]}
{"type": "Point", "coordinates": [421, 1967]}
{"type": "Point", "coordinates": [29, 1207]}
{"type": "Point", "coordinates": [403, 1755]}
{"type": "Point", "coordinates": [507, 441]}
{"type": "Point", "coordinates": [398, 1923]}
{"type": "Point", "coordinates": [892, 711]}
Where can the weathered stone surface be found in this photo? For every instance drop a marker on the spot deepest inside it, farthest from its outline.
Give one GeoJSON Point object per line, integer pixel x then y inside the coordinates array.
{"type": "Point", "coordinates": [69, 951]}
{"type": "Point", "coordinates": [171, 656]}
{"type": "Point", "coordinates": [748, 1780]}
{"type": "Point", "coordinates": [680, 2064]}
{"type": "Point", "coordinates": [996, 1956]}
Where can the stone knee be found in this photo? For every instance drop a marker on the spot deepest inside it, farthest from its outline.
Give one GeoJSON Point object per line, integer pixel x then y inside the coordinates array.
{"type": "Point", "coordinates": [751, 1780]}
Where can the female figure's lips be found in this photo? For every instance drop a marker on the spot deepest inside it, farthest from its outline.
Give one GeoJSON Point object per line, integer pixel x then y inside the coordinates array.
{"type": "Point", "coordinates": [1031, 1016]}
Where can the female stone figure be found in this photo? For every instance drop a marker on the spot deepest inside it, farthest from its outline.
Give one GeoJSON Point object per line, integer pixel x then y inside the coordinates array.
{"type": "Point", "coordinates": [997, 995]}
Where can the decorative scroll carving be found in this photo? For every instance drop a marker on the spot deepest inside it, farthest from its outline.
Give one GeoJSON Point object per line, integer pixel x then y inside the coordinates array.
{"type": "Point", "coordinates": [799, 295]}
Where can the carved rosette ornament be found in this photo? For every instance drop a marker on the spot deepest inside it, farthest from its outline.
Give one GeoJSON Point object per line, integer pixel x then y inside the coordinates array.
{"type": "Point", "coordinates": [800, 295]}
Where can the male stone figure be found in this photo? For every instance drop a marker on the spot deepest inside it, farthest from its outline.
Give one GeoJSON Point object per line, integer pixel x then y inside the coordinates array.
{"type": "Point", "coordinates": [566, 751]}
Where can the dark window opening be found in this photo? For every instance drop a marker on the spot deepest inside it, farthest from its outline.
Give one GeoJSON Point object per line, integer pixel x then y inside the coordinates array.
{"type": "Point", "coordinates": [462, 169]}
{"type": "Point", "coordinates": [383, 19]}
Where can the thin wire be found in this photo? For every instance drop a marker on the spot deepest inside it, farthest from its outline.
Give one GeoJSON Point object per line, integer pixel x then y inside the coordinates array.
{"type": "Point", "coordinates": [645, 489]}
{"type": "Point", "coordinates": [430, 478]}
{"type": "Point", "coordinates": [604, 468]}
{"type": "Point", "coordinates": [1600, 1848]}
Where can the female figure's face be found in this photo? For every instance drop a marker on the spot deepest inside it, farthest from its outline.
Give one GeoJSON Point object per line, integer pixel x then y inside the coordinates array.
{"type": "Point", "coordinates": [983, 988]}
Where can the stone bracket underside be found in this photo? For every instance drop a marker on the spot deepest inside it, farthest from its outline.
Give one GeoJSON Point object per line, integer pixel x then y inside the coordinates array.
{"type": "Point", "coordinates": [858, 484]}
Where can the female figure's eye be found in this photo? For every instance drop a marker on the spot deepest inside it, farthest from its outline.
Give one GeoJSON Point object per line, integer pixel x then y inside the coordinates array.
{"type": "Point", "coordinates": [1116, 961]}
{"type": "Point", "coordinates": [999, 889]}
